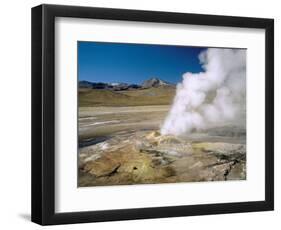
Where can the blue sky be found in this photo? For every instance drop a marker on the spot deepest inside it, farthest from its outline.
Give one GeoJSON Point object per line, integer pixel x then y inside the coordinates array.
{"type": "Point", "coordinates": [135, 63]}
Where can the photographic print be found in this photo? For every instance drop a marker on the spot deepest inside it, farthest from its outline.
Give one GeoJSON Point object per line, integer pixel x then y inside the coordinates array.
{"type": "Point", "coordinates": [147, 102]}
{"type": "Point", "coordinates": [151, 113]}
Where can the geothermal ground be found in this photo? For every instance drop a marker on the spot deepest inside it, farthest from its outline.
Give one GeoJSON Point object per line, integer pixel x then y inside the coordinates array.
{"type": "Point", "coordinates": [122, 145]}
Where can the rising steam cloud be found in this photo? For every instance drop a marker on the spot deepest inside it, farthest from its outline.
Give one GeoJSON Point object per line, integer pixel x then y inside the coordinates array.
{"type": "Point", "coordinates": [215, 96]}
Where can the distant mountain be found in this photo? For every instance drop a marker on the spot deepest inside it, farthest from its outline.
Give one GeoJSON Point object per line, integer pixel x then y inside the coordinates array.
{"type": "Point", "coordinates": [85, 84]}
{"type": "Point", "coordinates": [94, 85]}
{"type": "Point", "coordinates": [154, 82]}
{"type": "Point", "coordinates": [118, 86]}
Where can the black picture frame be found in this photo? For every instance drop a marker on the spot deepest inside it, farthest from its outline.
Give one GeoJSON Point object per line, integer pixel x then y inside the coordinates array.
{"type": "Point", "coordinates": [43, 114]}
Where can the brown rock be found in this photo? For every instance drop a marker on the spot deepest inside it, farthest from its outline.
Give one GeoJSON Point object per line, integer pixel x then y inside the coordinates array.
{"type": "Point", "coordinates": [103, 166]}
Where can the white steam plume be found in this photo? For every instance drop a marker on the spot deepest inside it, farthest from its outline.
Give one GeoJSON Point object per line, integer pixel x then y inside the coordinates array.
{"type": "Point", "coordinates": [212, 97]}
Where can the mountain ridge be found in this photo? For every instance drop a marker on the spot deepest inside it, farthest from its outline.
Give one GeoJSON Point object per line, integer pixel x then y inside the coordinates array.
{"type": "Point", "coordinates": [153, 82]}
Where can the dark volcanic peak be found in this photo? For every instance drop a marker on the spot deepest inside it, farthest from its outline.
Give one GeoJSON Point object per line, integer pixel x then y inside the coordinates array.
{"type": "Point", "coordinates": [94, 85]}
{"type": "Point", "coordinates": [154, 82]}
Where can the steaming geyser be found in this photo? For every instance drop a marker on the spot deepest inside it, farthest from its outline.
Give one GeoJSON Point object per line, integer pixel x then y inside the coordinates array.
{"type": "Point", "coordinates": [212, 97]}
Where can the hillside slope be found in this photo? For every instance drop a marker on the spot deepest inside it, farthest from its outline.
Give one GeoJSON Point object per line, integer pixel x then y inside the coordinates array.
{"type": "Point", "coordinates": [102, 97]}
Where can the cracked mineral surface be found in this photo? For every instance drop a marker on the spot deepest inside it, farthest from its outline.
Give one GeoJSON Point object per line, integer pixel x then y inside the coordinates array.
{"type": "Point", "coordinates": [148, 157]}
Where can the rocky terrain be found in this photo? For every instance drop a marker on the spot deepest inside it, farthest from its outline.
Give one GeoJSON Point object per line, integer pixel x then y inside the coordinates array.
{"type": "Point", "coordinates": [154, 82]}
{"type": "Point", "coordinates": [148, 157]}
